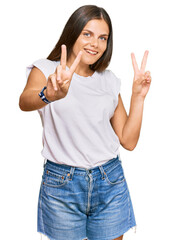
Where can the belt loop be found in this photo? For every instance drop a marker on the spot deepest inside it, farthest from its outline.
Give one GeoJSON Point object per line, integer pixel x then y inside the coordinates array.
{"type": "Point", "coordinates": [102, 172]}
{"type": "Point", "coordinates": [70, 174]}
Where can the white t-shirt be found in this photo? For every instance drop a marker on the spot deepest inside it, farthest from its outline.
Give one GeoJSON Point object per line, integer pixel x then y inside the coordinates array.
{"type": "Point", "coordinates": [77, 129]}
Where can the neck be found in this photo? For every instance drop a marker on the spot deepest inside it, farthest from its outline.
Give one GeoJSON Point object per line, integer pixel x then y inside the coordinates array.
{"type": "Point", "coordinates": [85, 72]}
{"type": "Point", "coordinates": [82, 69]}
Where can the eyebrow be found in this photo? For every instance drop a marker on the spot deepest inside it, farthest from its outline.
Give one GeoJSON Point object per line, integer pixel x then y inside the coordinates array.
{"type": "Point", "coordinates": [103, 34]}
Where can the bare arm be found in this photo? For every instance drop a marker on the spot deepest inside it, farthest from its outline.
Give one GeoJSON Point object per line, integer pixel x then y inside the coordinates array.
{"type": "Point", "coordinates": [29, 99]}
{"type": "Point", "coordinates": [127, 127]}
{"type": "Point", "coordinates": [57, 84]}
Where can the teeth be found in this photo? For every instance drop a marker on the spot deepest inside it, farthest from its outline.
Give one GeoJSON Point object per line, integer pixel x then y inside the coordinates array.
{"type": "Point", "coordinates": [94, 53]}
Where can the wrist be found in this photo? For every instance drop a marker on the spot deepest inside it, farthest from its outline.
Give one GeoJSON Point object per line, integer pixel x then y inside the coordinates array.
{"type": "Point", "coordinates": [137, 101]}
{"type": "Point", "coordinates": [43, 96]}
{"type": "Point", "coordinates": [137, 98]}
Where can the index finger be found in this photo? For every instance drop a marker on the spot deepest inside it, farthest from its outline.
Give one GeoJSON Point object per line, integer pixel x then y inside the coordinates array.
{"type": "Point", "coordinates": [144, 60]}
{"type": "Point", "coordinates": [63, 56]}
{"type": "Point", "coordinates": [76, 62]}
{"type": "Point", "coordinates": [134, 63]}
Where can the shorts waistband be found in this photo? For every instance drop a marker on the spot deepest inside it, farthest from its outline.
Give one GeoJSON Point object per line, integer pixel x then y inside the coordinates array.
{"type": "Point", "coordinates": [71, 170]}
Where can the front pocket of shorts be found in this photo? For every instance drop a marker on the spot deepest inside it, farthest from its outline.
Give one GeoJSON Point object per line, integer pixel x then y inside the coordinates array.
{"type": "Point", "coordinates": [54, 180]}
{"type": "Point", "coordinates": [116, 176]}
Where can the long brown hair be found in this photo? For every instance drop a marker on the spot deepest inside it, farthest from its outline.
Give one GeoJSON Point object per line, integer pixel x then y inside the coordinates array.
{"type": "Point", "coordinates": [74, 27]}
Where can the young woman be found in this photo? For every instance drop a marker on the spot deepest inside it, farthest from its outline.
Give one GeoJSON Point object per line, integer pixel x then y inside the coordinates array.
{"type": "Point", "coordinates": [83, 192]}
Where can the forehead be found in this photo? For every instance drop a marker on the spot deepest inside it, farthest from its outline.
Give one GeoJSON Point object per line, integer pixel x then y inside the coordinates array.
{"type": "Point", "coordinates": [98, 26]}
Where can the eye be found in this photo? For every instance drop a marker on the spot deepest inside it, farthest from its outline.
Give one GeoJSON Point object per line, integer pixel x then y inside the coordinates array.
{"type": "Point", "coordinates": [87, 34]}
{"type": "Point", "coordinates": [103, 38]}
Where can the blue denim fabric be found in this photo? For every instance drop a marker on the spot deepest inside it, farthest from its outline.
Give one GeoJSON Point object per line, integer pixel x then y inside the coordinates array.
{"type": "Point", "coordinates": [77, 203]}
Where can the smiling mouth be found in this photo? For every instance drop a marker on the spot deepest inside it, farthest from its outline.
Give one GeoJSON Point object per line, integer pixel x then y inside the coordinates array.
{"type": "Point", "coordinates": [91, 52]}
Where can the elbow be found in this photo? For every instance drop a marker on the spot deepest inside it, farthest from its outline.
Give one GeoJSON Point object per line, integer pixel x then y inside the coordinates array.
{"type": "Point", "coordinates": [130, 146]}
{"type": "Point", "coordinates": [22, 108]}
{"type": "Point", "coordinates": [22, 104]}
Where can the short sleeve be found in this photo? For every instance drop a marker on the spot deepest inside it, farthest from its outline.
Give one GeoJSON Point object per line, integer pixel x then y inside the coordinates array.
{"type": "Point", "coordinates": [114, 84]}
{"type": "Point", "coordinates": [46, 66]}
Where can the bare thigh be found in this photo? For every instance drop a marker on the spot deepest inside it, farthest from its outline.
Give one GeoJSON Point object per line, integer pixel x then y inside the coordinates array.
{"type": "Point", "coordinates": [119, 238]}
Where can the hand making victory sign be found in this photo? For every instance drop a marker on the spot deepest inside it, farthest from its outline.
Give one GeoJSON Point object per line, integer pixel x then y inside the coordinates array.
{"type": "Point", "coordinates": [59, 82]}
{"type": "Point", "coordinates": [142, 79]}
{"type": "Point", "coordinates": [128, 126]}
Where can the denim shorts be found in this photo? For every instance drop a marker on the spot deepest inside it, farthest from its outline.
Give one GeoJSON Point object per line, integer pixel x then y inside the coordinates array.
{"type": "Point", "coordinates": [76, 203]}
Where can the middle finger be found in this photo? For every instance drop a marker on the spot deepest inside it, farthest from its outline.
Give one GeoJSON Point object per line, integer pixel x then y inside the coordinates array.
{"type": "Point", "coordinates": [144, 60]}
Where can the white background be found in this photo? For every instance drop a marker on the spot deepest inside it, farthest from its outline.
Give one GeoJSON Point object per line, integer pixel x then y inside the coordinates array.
{"type": "Point", "coordinates": [29, 31]}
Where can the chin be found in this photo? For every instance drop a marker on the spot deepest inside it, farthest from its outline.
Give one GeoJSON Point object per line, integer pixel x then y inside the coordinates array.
{"type": "Point", "coordinates": [89, 61]}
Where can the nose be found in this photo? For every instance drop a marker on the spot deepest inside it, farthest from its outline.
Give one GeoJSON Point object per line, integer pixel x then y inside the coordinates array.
{"type": "Point", "coordinates": [94, 42]}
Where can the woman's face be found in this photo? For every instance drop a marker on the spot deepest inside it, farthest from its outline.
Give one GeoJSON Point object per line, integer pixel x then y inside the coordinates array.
{"type": "Point", "coordinates": [92, 42]}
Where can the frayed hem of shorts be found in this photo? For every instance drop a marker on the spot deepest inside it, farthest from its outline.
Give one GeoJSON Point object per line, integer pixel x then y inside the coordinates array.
{"type": "Point", "coordinates": [124, 231]}
{"type": "Point", "coordinates": [43, 236]}
{"type": "Point", "coordinates": [133, 228]}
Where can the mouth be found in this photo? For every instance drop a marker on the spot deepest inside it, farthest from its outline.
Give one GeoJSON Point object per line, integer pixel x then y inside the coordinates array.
{"type": "Point", "coordinates": [91, 52]}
